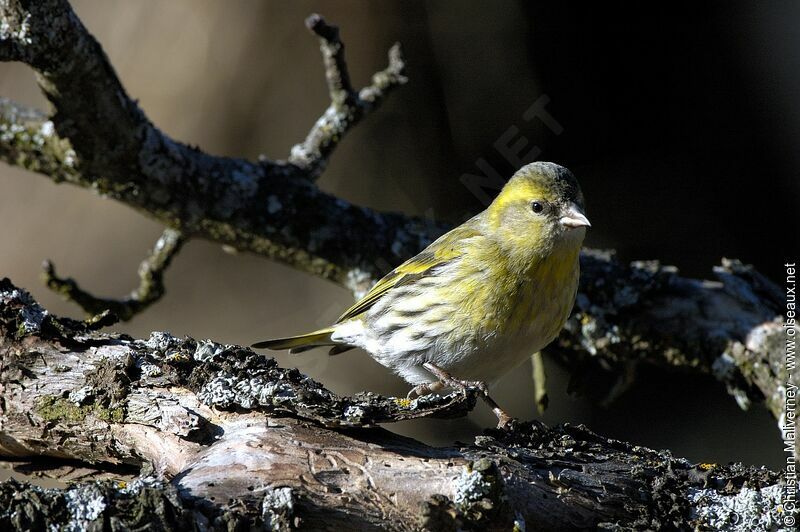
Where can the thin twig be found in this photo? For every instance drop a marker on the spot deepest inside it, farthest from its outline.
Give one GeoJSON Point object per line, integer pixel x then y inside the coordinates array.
{"type": "Point", "coordinates": [347, 106]}
{"type": "Point", "coordinates": [150, 289]}
{"type": "Point", "coordinates": [340, 89]}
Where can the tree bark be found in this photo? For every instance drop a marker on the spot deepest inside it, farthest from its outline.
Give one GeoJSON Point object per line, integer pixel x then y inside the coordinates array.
{"type": "Point", "coordinates": [227, 439]}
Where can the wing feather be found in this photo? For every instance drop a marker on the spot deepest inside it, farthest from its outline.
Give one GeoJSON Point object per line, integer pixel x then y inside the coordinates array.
{"type": "Point", "coordinates": [443, 251]}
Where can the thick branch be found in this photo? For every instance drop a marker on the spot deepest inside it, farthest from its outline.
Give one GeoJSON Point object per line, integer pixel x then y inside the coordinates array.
{"type": "Point", "coordinates": [647, 313]}
{"type": "Point", "coordinates": [206, 417]}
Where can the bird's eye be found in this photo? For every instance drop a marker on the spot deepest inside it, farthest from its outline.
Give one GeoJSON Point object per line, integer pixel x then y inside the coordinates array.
{"type": "Point", "coordinates": [537, 206]}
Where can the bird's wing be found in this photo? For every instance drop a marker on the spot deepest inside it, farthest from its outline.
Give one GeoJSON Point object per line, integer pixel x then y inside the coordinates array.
{"type": "Point", "coordinates": [444, 250]}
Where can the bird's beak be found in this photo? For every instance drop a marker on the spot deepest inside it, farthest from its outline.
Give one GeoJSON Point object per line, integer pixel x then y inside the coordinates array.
{"type": "Point", "coordinates": [573, 218]}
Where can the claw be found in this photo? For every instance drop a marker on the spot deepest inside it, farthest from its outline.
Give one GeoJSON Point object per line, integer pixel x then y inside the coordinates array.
{"type": "Point", "coordinates": [418, 391]}
{"type": "Point", "coordinates": [424, 389]}
{"type": "Point", "coordinates": [447, 380]}
{"type": "Point", "coordinates": [503, 419]}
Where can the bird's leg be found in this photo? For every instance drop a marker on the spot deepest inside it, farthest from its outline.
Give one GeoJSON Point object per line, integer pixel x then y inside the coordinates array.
{"type": "Point", "coordinates": [445, 379]}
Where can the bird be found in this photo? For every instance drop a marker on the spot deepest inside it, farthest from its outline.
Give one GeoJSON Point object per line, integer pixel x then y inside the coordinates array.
{"type": "Point", "coordinates": [480, 299]}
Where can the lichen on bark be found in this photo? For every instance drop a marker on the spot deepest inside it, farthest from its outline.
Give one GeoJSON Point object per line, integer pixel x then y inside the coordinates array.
{"type": "Point", "coordinates": [227, 438]}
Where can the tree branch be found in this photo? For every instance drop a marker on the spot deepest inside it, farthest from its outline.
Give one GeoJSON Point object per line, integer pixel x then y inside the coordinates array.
{"type": "Point", "coordinates": [150, 289]}
{"type": "Point", "coordinates": [645, 312]}
{"type": "Point", "coordinates": [347, 106]}
{"type": "Point", "coordinates": [98, 138]}
{"type": "Point", "coordinates": [269, 207]}
{"type": "Point", "coordinates": [28, 140]}
{"type": "Point", "coordinates": [209, 422]}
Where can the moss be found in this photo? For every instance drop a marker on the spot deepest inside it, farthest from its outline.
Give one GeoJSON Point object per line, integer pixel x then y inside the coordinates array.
{"type": "Point", "coordinates": [51, 408]}
{"type": "Point", "coordinates": [112, 415]}
{"type": "Point", "coordinates": [57, 409]}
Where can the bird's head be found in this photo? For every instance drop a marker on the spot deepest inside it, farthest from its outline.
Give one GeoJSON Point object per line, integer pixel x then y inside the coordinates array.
{"type": "Point", "coordinates": [539, 210]}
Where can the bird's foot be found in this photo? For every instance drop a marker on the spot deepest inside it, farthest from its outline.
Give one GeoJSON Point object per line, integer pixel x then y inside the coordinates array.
{"type": "Point", "coordinates": [424, 389]}
{"type": "Point", "coordinates": [447, 380]}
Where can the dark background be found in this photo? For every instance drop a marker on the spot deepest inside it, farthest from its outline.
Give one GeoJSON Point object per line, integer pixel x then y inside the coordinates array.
{"type": "Point", "coordinates": [680, 121]}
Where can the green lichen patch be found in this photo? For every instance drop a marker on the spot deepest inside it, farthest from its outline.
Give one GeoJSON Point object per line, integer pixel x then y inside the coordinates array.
{"type": "Point", "coordinates": [53, 409]}
{"type": "Point", "coordinates": [29, 141]}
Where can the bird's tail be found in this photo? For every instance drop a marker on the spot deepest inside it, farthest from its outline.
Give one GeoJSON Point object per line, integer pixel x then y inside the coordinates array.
{"type": "Point", "coordinates": [303, 342]}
